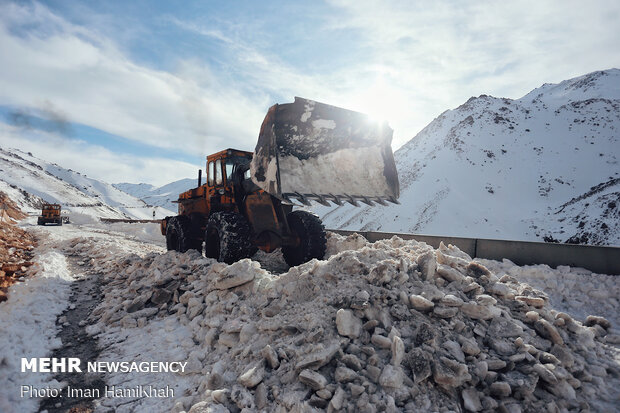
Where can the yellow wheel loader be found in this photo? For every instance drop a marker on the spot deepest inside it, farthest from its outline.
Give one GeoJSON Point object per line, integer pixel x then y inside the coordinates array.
{"type": "Point", "coordinates": [306, 151]}
{"type": "Point", "coordinates": [50, 214]}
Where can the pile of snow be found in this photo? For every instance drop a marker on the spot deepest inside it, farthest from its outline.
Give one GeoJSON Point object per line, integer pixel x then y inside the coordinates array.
{"type": "Point", "coordinates": [574, 290]}
{"type": "Point", "coordinates": [542, 165]}
{"type": "Point", "coordinates": [389, 326]}
{"type": "Point", "coordinates": [28, 321]}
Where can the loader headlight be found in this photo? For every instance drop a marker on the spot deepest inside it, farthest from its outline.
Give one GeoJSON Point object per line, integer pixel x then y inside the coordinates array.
{"type": "Point", "coordinates": [221, 191]}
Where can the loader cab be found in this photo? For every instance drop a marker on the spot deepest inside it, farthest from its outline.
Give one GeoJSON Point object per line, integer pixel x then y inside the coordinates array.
{"type": "Point", "coordinates": [222, 165]}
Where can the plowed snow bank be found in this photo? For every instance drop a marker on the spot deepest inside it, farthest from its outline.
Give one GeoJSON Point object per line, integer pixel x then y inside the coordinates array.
{"type": "Point", "coordinates": [393, 325]}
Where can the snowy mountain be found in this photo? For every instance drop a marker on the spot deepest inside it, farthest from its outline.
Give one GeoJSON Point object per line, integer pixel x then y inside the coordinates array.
{"type": "Point", "coordinates": [162, 196]}
{"type": "Point", "coordinates": [31, 181]}
{"type": "Point", "coordinates": [545, 165]}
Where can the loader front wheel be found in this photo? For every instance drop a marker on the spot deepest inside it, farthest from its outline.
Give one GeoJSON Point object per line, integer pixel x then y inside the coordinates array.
{"type": "Point", "coordinates": [179, 235]}
{"type": "Point", "coordinates": [310, 233]}
{"type": "Point", "coordinates": [228, 237]}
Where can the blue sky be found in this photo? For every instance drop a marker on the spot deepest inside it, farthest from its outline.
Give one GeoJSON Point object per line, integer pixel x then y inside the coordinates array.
{"type": "Point", "coordinates": [142, 91]}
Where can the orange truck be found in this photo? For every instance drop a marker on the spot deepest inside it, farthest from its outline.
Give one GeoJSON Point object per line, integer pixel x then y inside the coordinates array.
{"type": "Point", "coordinates": [50, 214]}
{"type": "Point", "coordinates": [306, 151]}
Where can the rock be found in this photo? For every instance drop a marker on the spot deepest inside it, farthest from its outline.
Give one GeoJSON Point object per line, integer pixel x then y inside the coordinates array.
{"type": "Point", "coordinates": [220, 395]}
{"type": "Point", "coordinates": [400, 311]}
{"type": "Point", "coordinates": [427, 263]}
{"type": "Point", "coordinates": [194, 307]}
{"type": "Point", "coordinates": [481, 369]}
{"type": "Point", "coordinates": [471, 400]}
{"type": "Point", "coordinates": [252, 376]}
{"type": "Point", "coordinates": [424, 334]}
{"type": "Point", "coordinates": [476, 311]}
{"type": "Point", "coordinates": [495, 364]}
{"type": "Point", "coordinates": [563, 389]}
{"type": "Point", "coordinates": [544, 373]}
{"type": "Point", "coordinates": [184, 298]}
{"type": "Point", "coordinates": [312, 379]}
{"type": "Point", "coordinates": [537, 302]}
{"type": "Point", "coordinates": [228, 339]}
{"type": "Point", "coordinates": [398, 351]}
{"type": "Point", "coordinates": [380, 341]}
{"type": "Point", "coordinates": [360, 301]}
{"type": "Point", "coordinates": [348, 324]}
{"type": "Point", "coordinates": [247, 332]}
{"type": "Point", "coordinates": [373, 373]}
{"type": "Point", "coordinates": [469, 346]}
{"type": "Point", "coordinates": [160, 296]}
{"type": "Point", "coordinates": [445, 312]}
{"type": "Point", "coordinates": [136, 304]}
{"type": "Point", "coordinates": [499, 289]}
{"type": "Point", "coordinates": [242, 397]}
{"type": "Point", "coordinates": [239, 273]}
{"type": "Point", "coordinates": [449, 274]}
{"type": "Point", "coordinates": [500, 389]}
{"type": "Point", "coordinates": [502, 346]}
{"type": "Point", "coordinates": [261, 396]}
{"type": "Point", "coordinates": [271, 357]}
{"type": "Point", "coordinates": [356, 390]}
{"type": "Point", "coordinates": [484, 299]}
{"type": "Point", "coordinates": [451, 300]}
{"type": "Point", "coordinates": [318, 359]}
{"type": "Point", "coordinates": [391, 377]}
{"type": "Point", "coordinates": [337, 401]}
{"type": "Point", "coordinates": [455, 350]}
{"type": "Point", "coordinates": [563, 355]}
{"type": "Point", "coordinates": [532, 316]}
{"type": "Point", "coordinates": [370, 324]}
{"type": "Point", "coordinates": [324, 394]}
{"type": "Point", "coordinates": [477, 270]}
{"type": "Point", "coordinates": [547, 330]}
{"type": "Point", "coordinates": [204, 407]}
{"type": "Point", "coordinates": [129, 322]}
{"type": "Point", "coordinates": [504, 327]}
{"type": "Point", "coordinates": [351, 361]}
{"type": "Point", "coordinates": [450, 373]}
{"type": "Point", "coordinates": [547, 358]}
{"type": "Point", "coordinates": [591, 320]}
{"type": "Point", "coordinates": [344, 375]}
{"type": "Point", "coordinates": [420, 303]}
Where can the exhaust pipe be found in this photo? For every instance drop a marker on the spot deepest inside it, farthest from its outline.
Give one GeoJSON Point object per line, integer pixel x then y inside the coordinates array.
{"type": "Point", "coordinates": [199, 178]}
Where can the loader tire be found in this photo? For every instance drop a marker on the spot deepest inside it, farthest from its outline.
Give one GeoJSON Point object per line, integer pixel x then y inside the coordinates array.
{"type": "Point", "coordinates": [179, 235]}
{"type": "Point", "coordinates": [40, 221]}
{"type": "Point", "coordinates": [228, 237]}
{"type": "Point", "coordinates": [312, 240]}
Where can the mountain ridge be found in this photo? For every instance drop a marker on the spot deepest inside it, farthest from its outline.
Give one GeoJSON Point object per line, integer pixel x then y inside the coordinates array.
{"type": "Point", "coordinates": [32, 181]}
{"type": "Point", "coordinates": [501, 168]}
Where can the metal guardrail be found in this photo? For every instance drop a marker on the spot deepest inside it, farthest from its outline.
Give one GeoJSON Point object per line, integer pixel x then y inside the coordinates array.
{"type": "Point", "coordinates": [601, 260]}
{"type": "Point", "coordinates": [130, 221]}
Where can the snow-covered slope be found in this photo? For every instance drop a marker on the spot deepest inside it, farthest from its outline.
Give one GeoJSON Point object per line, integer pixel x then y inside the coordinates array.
{"type": "Point", "coordinates": [162, 196]}
{"type": "Point", "coordinates": [37, 181]}
{"type": "Point", "coordinates": [545, 165]}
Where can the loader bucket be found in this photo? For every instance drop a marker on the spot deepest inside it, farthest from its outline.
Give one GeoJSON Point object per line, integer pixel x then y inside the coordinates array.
{"type": "Point", "coordinates": [308, 150]}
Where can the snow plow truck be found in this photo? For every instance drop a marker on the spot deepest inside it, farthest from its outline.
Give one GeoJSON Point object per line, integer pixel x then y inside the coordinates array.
{"type": "Point", "coordinates": [306, 151]}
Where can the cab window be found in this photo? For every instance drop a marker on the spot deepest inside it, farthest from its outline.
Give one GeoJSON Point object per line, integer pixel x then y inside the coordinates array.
{"type": "Point", "coordinates": [210, 174]}
{"type": "Point", "coordinates": [218, 172]}
{"type": "Point", "coordinates": [229, 171]}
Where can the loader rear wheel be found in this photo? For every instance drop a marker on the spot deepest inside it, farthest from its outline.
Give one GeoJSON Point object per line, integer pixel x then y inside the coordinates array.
{"type": "Point", "coordinates": [310, 231]}
{"type": "Point", "coordinates": [228, 237]}
{"type": "Point", "coordinates": [179, 235]}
